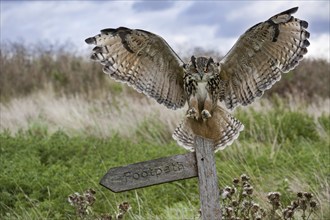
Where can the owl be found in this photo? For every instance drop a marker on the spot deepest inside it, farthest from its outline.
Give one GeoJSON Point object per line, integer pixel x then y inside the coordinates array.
{"type": "Point", "coordinates": [211, 87]}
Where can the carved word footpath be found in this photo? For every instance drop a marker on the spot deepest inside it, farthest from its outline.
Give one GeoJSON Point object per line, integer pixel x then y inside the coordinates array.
{"type": "Point", "coordinates": [150, 172]}
{"type": "Point", "coordinates": [154, 172]}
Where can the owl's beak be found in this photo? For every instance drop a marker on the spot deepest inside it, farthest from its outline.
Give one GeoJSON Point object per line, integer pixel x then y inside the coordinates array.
{"type": "Point", "coordinates": [201, 74]}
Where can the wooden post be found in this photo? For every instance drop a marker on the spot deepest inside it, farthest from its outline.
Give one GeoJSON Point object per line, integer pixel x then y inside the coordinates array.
{"type": "Point", "coordinates": [162, 170]}
{"type": "Point", "coordinates": [208, 181]}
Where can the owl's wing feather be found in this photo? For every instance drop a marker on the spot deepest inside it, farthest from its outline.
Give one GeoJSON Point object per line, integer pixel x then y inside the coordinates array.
{"type": "Point", "coordinates": [144, 61]}
{"type": "Point", "coordinates": [260, 56]}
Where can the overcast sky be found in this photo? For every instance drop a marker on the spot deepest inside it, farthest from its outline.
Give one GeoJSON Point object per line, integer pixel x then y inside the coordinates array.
{"type": "Point", "coordinates": [184, 25]}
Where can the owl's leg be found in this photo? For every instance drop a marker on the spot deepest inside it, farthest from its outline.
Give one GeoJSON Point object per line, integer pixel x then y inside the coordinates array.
{"type": "Point", "coordinates": [193, 108]}
{"type": "Point", "coordinates": [208, 104]}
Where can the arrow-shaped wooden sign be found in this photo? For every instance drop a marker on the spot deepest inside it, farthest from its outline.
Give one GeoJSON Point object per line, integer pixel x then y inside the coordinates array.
{"type": "Point", "coordinates": [152, 172]}
{"type": "Point", "coordinates": [200, 163]}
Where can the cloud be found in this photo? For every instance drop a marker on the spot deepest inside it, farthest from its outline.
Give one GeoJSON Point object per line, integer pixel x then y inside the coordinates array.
{"type": "Point", "coordinates": [214, 25]}
{"type": "Point", "coordinates": [143, 6]}
{"type": "Point", "coordinates": [320, 46]}
{"type": "Point", "coordinates": [214, 14]}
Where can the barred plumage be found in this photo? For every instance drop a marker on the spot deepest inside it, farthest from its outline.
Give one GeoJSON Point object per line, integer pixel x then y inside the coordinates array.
{"type": "Point", "coordinates": [223, 129]}
{"type": "Point", "coordinates": [146, 62]}
{"type": "Point", "coordinates": [142, 60]}
{"type": "Point", "coordinates": [260, 56]}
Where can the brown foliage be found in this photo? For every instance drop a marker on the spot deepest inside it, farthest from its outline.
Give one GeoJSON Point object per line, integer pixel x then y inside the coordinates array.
{"type": "Point", "coordinates": [310, 79]}
{"type": "Point", "coordinates": [26, 69]}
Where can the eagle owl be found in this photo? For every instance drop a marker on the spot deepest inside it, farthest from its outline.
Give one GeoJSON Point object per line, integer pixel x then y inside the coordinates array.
{"type": "Point", "coordinates": [147, 63]}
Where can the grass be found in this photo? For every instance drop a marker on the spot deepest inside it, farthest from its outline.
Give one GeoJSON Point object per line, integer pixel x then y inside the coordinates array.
{"type": "Point", "coordinates": [63, 125]}
{"type": "Point", "coordinates": [44, 159]}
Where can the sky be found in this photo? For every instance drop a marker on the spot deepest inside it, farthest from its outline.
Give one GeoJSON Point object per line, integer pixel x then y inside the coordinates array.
{"type": "Point", "coordinates": [211, 25]}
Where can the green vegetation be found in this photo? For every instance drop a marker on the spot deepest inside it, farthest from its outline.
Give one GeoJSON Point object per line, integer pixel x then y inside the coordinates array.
{"type": "Point", "coordinates": [280, 150]}
{"type": "Point", "coordinates": [63, 125]}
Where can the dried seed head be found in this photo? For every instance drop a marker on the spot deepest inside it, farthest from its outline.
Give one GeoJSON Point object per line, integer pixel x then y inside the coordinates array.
{"type": "Point", "coordinates": [248, 190]}
{"type": "Point", "coordinates": [313, 204]}
{"type": "Point", "coordinates": [233, 190]}
{"type": "Point", "coordinates": [288, 213]}
{"type": "Point", "coordinates": [299, 194]}
{"type": "Point", "coordinates": [245, 177]}
{"type": "Point", "coordinates": [234, 203]}
{"type": "Point", "coordinates": [246, 184]}
{"type": "Point", "coordinates": [262, 212]}
{"type": "Point", "coordinates": [124, 207]}
{"type": "Point", "coordinates": [277, 195]}
{"type": "Point", "coordinates": [227, 188]}
{"type": "Point", "coordinates": [255, 207]}
{"type": "Point", "coordinates": [229, 212]}
{"type": "Point", "coordinates": [270, 196]}
{"type": "Point", "coordinates": [90, 200]}
{"type": "Point", "coordinates": [224, 194]}
{"type": "Point", "coordinates": [273, 197]}
{"type": "Point", "coordinates": [303, 204]}
{"type": "Point", "coordinates": [294, 204]}
{"type": "Point", "coordinates": [120, 216]}
{"type": "Point", "coordinates": [308, 195]}
{"type": "Point", "coordinates": [246, 204]}
{"type": "Point", "coordinates": [91, 191]}
{"type": "Point", "coordinates": [235, 181]}
{"type": "Point", "coordinates": [277, 204]}
{"type": "Point", "coordinates": [70, 200]}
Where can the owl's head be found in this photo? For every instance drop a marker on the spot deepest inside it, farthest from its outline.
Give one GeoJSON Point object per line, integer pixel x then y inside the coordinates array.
{"type": "Point", "coordinates": [200, 67]}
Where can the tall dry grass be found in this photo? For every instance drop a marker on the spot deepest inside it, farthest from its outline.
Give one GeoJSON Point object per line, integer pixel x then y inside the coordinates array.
{"type": "Point", "coordinates": [112, 114]}
{"type": "Point", "coordinates": [58, 88]}
{"type": "Point", "coordinates": [102, 117]}
{"type": "Point", "coordinates": [27, 69]}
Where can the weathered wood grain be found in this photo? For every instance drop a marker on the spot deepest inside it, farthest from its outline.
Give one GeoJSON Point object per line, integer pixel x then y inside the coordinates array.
{"type": "Point", "coordinates": [150, 172]}
{"type": "Point", "coordinates": [208, 180]}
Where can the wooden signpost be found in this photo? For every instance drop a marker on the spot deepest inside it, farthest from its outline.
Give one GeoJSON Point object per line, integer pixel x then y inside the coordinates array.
{"type": "Point", "coordinates": [200, 163]}
{"type": "Point", "coordinates": [150, 172]}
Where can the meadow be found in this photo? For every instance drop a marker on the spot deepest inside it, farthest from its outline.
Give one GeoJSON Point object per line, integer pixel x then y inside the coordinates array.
{"type": "Point", "coordinates": [64, 124]}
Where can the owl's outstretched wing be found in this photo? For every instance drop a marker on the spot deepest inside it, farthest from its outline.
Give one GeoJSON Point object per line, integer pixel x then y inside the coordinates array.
{"type": "Point", "coordinates": [144, 61]}
{"type": "Point", "coordinates": [260, 56]}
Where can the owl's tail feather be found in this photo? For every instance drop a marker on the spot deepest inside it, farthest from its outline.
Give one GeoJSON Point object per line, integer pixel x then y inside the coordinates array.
{"type": "Point", "coordinates": [222, 128]}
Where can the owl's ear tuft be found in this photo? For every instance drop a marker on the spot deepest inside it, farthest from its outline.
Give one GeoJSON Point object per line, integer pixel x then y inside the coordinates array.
{"type": "Point", "coordinates": [193, 61]}
{"type": "Point", "coordinates": [209, 61]}
{"type": "Point", "coordinates": [91, 40]}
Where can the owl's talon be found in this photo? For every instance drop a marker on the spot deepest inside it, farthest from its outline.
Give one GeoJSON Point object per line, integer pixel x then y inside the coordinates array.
{"type": "Point", "coordinates": [192, 113]}
{"type": "Point", "coordinates": [206, 114]}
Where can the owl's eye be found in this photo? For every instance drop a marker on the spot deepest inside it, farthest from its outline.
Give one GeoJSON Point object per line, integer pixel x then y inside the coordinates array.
{"type": "Point", "coordinates": [193, 69]}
